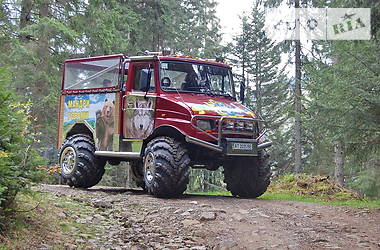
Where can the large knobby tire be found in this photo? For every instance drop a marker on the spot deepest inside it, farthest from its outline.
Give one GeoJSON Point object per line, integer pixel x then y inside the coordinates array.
{"type": "Point", "coordinates": [166, 167]}
{"type": "Point", "coordinates": [248, 177]}
{"type": "Point", "coordinates": [79, 166]}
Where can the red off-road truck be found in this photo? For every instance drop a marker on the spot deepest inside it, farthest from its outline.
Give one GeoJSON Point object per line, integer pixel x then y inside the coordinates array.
{"type": "Point", "coordinates": [163, 114]}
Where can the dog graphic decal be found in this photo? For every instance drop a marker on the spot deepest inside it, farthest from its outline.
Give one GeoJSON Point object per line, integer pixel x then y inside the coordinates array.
{"type": "Point", "coordinates": [140, 122]}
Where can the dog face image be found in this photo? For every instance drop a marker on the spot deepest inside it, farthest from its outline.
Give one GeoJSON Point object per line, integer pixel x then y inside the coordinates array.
{"type": "Point", "coordinates": [141, 123]}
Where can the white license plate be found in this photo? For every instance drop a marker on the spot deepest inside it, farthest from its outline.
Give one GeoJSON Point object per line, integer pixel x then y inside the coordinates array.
{"type": "Point", "coordinates": [241, 146]}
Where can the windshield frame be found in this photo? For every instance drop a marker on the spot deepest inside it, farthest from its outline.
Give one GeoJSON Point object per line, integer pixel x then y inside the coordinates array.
{"type": "Point", "coordinates": [230, 76]}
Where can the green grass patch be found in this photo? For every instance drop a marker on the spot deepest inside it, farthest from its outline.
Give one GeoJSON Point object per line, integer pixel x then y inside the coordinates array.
{"type": "Point", "coordinates": [309, 188]}
{"type": "Point", "coordinates": [372, 204]}
{"type": "Point", "coordinates": [212, 193]}
{"type": "Point", "coordinates": [39, 218]}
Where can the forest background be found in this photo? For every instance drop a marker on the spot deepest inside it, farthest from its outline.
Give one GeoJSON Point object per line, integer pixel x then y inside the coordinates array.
{"type": "Point", "coordinates": [322, 105]}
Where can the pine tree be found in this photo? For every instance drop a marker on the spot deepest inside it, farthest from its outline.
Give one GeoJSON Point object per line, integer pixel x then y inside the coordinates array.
{"type": "Point", "coordinates": [239, 52]}
{"type": "Point", "coordinates": [268, 91]}
{"type": "Point", "coordinates": [343, 107]}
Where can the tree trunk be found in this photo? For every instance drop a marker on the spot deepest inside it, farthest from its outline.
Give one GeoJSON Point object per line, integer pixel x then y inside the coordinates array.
{"type": "Point", "coordinates": [243, 80]}
{"type": "Point", "coordinates": [297, 104]}
{"type": "Point", "coordinates": [258, 90]}
{"type": "Point", "coordinates": [339, 162]}
{"type": "Point", "coordinates": [25, 17]}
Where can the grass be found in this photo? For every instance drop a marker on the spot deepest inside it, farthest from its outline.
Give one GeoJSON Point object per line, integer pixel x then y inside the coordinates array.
{"type": "Point", "coordinates": [31, 224]}
{"type": "Point", "coordinates": [372, 204]}
{"type": "Point", "coordinates": [212, 193]}
{"type": "Point", "coordinates": [37, 221]}
{"type": "Point", "coordinates": [308, 188]}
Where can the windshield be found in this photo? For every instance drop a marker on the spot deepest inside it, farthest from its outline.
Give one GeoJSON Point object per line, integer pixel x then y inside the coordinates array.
{"type": "Point", "coordinates": [199, 78]}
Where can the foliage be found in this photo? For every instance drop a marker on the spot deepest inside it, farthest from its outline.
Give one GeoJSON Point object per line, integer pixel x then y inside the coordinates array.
{"type": "Point", "coordinates": [352, 203]}
{"type": "Point", "coordinates": [268, 91]}
{"type": "Point", "coordinates": [18, 160]}
{"type": "Point", "coordinates": [344, 99]}
{"type": "Point", "coordinates": [43, 220]}
{"type": "Point", "coordinates": [315, 188]}
{"type": "Point", "coordinates": [202, 180]}
{"type": "Point", "coordinates": [115, 176]}
{"type": "Point", "coordinates": [318, 186]}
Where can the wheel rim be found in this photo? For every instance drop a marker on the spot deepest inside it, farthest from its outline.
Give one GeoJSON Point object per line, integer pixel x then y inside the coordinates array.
{"type": "Point", "coordinates": [149, 167]}
{"type": "Point", "coordinates": [68, 160]}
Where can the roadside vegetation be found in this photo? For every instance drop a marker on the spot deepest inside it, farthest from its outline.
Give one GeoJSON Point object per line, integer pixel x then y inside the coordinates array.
{"type": "Point", "coordinates": [309, 188]}
{"type": "Point", "coordinates": [319, 189]}
{"type": "Point", "coordinates": [41, 219]}
{"type": "Point", "coordinates": [19, 161]}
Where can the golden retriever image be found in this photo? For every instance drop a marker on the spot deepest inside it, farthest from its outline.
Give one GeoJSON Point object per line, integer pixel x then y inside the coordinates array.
{"type": "Point", "coordinates": [105, 125]}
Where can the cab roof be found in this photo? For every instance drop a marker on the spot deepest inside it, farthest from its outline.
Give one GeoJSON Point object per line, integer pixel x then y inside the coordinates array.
{"type": "Point", "coordinates": [155, 57]}
{"type": "Point", "coordinates": [178, 58]}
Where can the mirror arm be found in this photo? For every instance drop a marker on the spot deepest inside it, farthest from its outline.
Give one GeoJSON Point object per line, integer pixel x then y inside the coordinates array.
{"type": "Point", "coordinates": [148, 83]}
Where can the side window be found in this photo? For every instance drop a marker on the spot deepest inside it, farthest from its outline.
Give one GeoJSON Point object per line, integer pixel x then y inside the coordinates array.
{"type": "Point", "coordinates": [144, 74]}
{"type": "Point", "coordinates": [92, 74]}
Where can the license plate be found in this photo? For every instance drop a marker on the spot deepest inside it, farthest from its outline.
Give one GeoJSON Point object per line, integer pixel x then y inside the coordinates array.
{"type": "Point", "coordinates": [242, 146]}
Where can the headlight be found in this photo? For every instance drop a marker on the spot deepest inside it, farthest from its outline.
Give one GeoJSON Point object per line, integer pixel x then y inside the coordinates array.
{"type": "Point", "coordinates": [249, 126]}
{"type": "Point", "coordinates": [229, 124]}
{"type": "Point", "coordinates": [240, 125]}
{"type": "Point", "coordinates": [204, 124]}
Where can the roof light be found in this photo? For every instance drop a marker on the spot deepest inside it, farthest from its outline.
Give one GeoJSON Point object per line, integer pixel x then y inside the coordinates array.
{"type": "Point", "coordinates": [166, 52]}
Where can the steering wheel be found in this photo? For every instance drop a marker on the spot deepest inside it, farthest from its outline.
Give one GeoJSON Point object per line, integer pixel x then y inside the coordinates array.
{"type": "Point", "coordinates": [166, 82]}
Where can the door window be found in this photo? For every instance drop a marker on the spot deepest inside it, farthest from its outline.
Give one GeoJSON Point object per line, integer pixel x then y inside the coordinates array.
{"type": "Point", "coordinates": [144, 76]}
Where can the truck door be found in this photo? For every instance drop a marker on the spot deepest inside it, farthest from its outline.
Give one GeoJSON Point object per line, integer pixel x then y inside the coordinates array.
{"type": "Point", "coordinates": [138, 102]}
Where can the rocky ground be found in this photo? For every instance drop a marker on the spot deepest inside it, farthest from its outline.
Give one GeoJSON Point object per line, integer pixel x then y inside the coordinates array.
{"type": "Point", "coordinates": [114, 218]}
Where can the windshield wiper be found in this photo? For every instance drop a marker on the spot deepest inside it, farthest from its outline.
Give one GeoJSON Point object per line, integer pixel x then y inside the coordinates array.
{"type": "Point", "coordinates": [220, 93]}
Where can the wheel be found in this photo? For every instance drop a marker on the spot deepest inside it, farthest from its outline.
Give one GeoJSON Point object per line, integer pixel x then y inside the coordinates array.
{"type": "Point", "coordinates": [247, 177]}
{"type": "Point", "coordinates": [79, 166]}
{"type": "Point", "coordinates": [166, 167]}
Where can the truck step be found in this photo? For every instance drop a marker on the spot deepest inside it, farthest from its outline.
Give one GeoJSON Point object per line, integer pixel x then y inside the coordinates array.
{"type": "Point", "coordinates": [124, 155]}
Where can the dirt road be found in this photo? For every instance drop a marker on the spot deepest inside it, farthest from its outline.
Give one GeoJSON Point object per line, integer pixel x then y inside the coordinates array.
{"type": "Point", "coordinates": [124, 219]}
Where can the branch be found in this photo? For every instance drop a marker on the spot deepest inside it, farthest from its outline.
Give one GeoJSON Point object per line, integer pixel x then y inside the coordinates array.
{"type": "Point", "coordinates": [364, 64]}
{"type": "Point", "coordinates": [25, 156]}
{"type": "Point", "coordinates": [26, 211]}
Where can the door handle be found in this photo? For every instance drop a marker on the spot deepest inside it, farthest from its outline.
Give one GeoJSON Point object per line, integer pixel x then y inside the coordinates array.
{"type": "Point", "coordinates": [122, 102]}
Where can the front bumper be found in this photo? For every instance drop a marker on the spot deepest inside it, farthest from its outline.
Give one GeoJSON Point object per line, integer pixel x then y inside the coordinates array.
{"type": "Point", "coordinates": [230, 146]}
{"type": "Point", "coordinates": [228, 149]}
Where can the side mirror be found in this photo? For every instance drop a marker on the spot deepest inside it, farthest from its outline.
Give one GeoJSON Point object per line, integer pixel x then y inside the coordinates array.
{"type": "Point", "coordinates": [145, 77]}
{"type": "Point", "coordinates": [242, 92]}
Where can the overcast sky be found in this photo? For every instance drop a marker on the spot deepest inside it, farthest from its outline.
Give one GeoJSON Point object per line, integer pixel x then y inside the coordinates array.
{"type": "Point", "coordinates": [228, 12]}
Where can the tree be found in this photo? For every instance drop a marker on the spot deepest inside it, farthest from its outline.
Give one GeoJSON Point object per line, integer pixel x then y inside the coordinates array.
{"type": "Point", "coordinates": [18, 160]}
{"type": "Point", "coordinates": [240, 52]}
{"type": "Point", "coordinates": [268, 92]}
{"type": "Point", "coordinates": [344, 94]}
{"type": "Point", "coordinates": [187, 27]}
